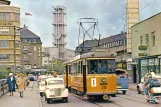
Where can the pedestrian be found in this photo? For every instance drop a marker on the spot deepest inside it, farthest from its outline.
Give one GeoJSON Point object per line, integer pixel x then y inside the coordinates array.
{"type": "Point", "coordinates": [11, 83]}
{"type": "Point", "coordinates": [31, 81]}
{"type": "Point", "coordinates": [21, 82]}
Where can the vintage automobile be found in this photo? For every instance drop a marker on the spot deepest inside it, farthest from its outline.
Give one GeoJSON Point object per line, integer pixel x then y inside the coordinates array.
{"type": "Point", "coordinates": [55, 90]}
{"type": "Point", "coordinates": [42, 84]}
{"type": "Point", "coordinates": [140, 87]}
{"type": "Point", "coordinates": [122, 80]}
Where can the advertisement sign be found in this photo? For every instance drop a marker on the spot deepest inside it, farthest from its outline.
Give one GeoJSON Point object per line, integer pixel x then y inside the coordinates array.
{"type": "Point", "coordinates": [129, 67]}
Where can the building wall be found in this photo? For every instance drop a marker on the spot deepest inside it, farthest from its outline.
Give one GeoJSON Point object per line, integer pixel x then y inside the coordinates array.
{"type": "Point", "coordinates": [143, 28]}
{"type": "Point", "coordinates": [132, 17]}
{"type": "Point", "coordinates": [53, 52]}
{"type": "Point", "coordinates": [12, 17]}
{"type": "Point", "coordinates": [32, 55]}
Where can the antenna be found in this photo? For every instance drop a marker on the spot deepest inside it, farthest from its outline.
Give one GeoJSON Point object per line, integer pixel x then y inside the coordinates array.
{"type": "Point", "coordinates": [93, 23]}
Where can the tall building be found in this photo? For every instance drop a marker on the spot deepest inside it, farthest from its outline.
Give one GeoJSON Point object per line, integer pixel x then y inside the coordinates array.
{"type": "Point", "coordinates": [31, 48]}
{"type": "Point", "coordinates": [9, 16]}
{"type": "Point", "coordinates": [132, 17]}
{"type": "Point", "coordinates": [59, 23]}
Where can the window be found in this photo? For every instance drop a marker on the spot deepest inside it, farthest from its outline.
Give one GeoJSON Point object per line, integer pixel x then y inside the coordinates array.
{"type": "Point", "coordinates": [34, 48]}
{"type": "Point", "coordinates": [141, 40]}
{"type": "Point", "coordinates": [5, 16]}
{"type": "Point", "coordinates": [4, 30]}
{"type": "Point", "coordinates": [17, 45]}
{"type": "Point", "coordinates": [17, 17]}
{"type": "Point", "coordinates": [147, 39]}
{"type": "Point", "coordinates": [121, 42]}
{"type": "Point", "coordinates": [153, 38]}
{"type": "Point", "coordinates": [110, 44]}
{"type": "Point", "coordinates": [4, 44]}
{"type": "Point", "coordinates": [4, 57]}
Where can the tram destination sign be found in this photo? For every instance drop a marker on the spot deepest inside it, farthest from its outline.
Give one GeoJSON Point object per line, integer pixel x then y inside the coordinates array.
{"type": "Point", "coordinates": [101, 50]}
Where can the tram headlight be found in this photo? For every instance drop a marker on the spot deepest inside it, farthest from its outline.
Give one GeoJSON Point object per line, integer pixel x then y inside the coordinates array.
{"type": "Point", "coordinates": [103, 80]}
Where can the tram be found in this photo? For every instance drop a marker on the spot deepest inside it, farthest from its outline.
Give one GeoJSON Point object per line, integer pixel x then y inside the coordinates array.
{"type": "Point", "coordinates": [90, 75]}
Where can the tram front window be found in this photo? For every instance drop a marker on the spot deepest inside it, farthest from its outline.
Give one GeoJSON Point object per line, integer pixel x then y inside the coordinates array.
{"type": "Point", "coordinates": [103, 66]}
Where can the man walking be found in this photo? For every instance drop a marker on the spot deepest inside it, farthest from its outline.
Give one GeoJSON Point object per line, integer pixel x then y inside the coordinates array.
{"type": "Point", "coordinates": [21, 82]}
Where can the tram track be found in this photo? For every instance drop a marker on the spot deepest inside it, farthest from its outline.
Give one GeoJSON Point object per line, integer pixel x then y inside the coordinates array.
{"type": "Point", "coordinates": [96, 103]}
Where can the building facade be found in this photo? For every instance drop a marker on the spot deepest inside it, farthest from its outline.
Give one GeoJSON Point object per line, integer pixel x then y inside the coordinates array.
{"type": "Point", "coordinates": [146, 45]}
{"type": "Point", "coordinates": [9, 17]}
{"type": "Point", "coordinates": [31, 48]}
{"type": "Point", "coordinates": [50, 53]}
{"type": "Point", "coordinates": [86, 46]}
{"type": "Point", "coordinates": [59, 23]}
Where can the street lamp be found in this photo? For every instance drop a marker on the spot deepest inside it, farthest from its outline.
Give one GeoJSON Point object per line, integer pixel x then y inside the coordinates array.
{"type": "Point", "coordinates": [15, 28]}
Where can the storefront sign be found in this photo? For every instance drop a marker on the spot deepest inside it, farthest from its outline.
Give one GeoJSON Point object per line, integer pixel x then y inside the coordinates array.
{"type": "Point", "coordinates": [129, 67]}
{"type": "Point", "coordinates": [6, 23]}
{"type": "Point", "coordinates": [142, 47]}
{"type": "Point", "coordinates": [142, 54]}
{"type": "Point", "coordinates": [101, 50]}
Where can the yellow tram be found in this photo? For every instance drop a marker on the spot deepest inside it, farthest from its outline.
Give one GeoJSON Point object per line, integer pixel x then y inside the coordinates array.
{"type": "Point", "coordinates": [90, 75]}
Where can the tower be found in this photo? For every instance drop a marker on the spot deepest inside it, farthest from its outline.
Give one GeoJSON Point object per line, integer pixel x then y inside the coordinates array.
{"type": "Point", "coordinates": [59, 23]}
{"type": "Point", "coordinates": [132, 17]}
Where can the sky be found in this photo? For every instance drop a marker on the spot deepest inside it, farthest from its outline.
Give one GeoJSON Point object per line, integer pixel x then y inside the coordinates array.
{"type": "Point", "coordinates": [110, 14]}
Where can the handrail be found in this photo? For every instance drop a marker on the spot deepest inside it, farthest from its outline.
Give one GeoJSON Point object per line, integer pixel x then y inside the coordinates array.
{"type": "Point", "coordinates": [3, 87]}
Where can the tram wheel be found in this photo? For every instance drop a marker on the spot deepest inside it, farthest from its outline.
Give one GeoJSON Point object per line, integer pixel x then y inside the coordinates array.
{"type": "Point", "coordinates": [124, 92]}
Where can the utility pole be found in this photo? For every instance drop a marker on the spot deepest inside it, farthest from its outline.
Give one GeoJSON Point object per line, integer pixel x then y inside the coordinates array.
{"type": "Point", "coordinates": [14, 49]}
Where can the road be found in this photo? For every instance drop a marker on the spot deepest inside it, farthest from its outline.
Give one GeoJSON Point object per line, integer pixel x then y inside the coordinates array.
{"type": "Point", "coordinates": [131, 99]}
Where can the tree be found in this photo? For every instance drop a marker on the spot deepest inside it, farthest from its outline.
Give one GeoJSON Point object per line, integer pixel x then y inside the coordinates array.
{"type": "Point", "coordinates": [57, 66]}
{"type": "Point", "coordinates": [4, 73]}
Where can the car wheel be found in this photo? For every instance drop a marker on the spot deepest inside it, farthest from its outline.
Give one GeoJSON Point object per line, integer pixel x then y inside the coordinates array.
{"type": "Point", "coordinates": [48, 101]}
{"type": "Point", "coordinates": [65, 99]}
{"type": "Point", "coordinates": [124, 92]}
{"type": "Point", "coordinates": [138, 90]}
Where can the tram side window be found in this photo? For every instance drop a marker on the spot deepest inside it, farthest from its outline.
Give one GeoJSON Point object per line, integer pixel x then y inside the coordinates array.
{"type": "Point", "coordinates": [111, 66]}
{"type": "Point", "coordinates": [79, 66]}
{"type": "Point", "coordinates": [102, 66]}
{"type": "Point", "coordinates": [73, 69]}
{"type": "Point", "coordinates": [69, 69]}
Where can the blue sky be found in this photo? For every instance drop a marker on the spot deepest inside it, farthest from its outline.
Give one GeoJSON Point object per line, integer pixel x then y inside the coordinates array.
{"type": "Point", "coordinates": [110, 16]}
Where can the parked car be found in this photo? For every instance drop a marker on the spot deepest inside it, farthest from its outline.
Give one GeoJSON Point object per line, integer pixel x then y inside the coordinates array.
{"type": "Point", "coordinates": [122, 80]}
{"type": "Point", "coordinates": [42, 84]}
{"type": "Point", "coordinates": [140, 87]}
{"type": "Point", "coordinates": [55, 90]}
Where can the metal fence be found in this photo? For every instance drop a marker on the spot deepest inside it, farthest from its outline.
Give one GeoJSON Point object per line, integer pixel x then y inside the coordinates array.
{"type": "Point", "coordinates": [3, 87]}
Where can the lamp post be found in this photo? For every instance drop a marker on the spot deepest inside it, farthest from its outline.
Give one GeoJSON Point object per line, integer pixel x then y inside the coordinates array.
{"type": "Point", "coordinates": [14, 50]}
{"type": "Point", "coordinates": [15, 28]}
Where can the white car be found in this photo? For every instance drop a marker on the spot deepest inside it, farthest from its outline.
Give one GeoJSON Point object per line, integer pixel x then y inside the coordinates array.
{"type": "Point", "coordinates": [42, 84]}
{"type": "Point", "coordinates": [55, 90]}
{"type": "Point", "coordinates": [140, 87]}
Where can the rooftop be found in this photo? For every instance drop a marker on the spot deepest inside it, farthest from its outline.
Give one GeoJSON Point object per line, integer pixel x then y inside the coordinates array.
{"type": "Point", "coordinates": [5, 2]}
{"type": "Point", "coordinates": [26, 33]}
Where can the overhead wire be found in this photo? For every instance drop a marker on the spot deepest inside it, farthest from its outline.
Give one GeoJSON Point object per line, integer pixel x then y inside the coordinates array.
{"type": "Point", "coordinates": [133, 14]}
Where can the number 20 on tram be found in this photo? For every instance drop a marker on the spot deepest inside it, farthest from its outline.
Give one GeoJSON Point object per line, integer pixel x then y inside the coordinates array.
{"type": "Point", "coordinates": [90, 75]}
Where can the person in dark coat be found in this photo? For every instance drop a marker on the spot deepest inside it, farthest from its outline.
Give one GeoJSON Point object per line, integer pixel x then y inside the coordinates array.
{"type": "Point", "coordinates": [11, 81]}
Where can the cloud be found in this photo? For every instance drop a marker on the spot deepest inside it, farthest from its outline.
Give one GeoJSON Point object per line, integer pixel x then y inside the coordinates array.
{"type": "Point", "coordinates": [109, 16]}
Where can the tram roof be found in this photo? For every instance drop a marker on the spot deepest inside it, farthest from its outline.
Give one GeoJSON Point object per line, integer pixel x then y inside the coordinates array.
{"type": "Point", "coordinates": [91, 55]}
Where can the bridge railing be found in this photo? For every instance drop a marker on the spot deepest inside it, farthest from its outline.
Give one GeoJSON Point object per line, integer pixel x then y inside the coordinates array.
{"type": "Point", "coordinates": [3, 87]}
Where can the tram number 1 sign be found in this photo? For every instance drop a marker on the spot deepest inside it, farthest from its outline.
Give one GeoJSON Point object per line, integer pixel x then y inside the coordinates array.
{"type": "Point", "coordinates": [93, 82]}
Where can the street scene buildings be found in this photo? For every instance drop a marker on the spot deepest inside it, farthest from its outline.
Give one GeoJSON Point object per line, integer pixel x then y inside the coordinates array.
{"type": "Point", "coordinates": [111, 66]}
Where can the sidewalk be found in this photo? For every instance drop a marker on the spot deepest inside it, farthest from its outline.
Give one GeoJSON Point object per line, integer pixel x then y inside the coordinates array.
{"type": "Point", "coordinates": [31, 99]}
{"type": "Point", "coordinates": [132, 86]}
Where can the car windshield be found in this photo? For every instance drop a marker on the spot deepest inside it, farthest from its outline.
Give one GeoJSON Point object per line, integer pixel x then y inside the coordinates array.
{"type": "Point", "coordinates": [55, 82]}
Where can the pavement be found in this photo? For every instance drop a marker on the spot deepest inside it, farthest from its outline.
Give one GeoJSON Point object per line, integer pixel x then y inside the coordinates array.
{"type": "Point", "coordinates": [132, 86]}
{"type": "Point", "coordinates": [31, 98]}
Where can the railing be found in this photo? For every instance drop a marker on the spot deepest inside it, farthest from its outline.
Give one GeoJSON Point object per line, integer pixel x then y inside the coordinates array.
{"type": "Point", "coordinates": [3, 87]}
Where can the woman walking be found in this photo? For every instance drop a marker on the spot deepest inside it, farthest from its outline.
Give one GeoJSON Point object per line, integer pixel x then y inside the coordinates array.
{"type": "Point", "coordinates": [21, 82]}
{"type": "Point", "coordinates": [11, 83]}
